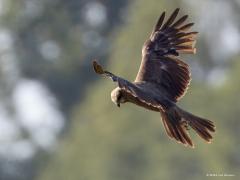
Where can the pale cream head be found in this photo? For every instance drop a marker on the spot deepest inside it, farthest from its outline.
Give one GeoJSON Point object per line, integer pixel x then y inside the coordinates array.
{"type": "Point", "coordinates": [117, 96]}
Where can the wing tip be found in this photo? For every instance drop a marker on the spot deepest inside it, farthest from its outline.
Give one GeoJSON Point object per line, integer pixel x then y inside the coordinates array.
{"type": "Point", "coordinates": [176, 10]}
{"type": "Point", "coordinates": [97, 67]}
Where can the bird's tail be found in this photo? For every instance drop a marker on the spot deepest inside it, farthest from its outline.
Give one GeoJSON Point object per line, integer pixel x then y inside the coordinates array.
{"type": "Point", "coordinates": [176, 122]}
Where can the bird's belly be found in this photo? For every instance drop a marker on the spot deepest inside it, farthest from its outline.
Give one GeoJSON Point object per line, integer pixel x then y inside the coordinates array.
{"type": "Point", "coordinates": [147, 106]}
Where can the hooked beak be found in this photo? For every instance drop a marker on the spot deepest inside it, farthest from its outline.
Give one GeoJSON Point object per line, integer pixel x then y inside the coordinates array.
{"type": "Point", "coordinates": [118, 104]}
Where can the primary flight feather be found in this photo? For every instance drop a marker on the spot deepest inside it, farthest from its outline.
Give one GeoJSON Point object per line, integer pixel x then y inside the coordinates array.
{"type": "Point", "coordinates": [163, 79]}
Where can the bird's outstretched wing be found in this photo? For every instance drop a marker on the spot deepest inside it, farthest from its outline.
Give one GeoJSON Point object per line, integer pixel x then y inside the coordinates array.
{"type": "Point", "coordinates": [129, 87]}
{"type": "Point", "coordinates": [160, 63]}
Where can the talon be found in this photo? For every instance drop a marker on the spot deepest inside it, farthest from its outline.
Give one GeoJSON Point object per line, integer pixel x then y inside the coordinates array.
{"type": "Point", "coordinates": [186, 125]}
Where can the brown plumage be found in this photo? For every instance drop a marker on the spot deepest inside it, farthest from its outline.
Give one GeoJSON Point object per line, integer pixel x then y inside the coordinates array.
{"type": "Point", "coordinates": [163, 79]}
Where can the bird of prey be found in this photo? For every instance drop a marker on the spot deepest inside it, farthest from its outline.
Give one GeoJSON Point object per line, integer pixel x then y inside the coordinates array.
{"type": "Point", "coordinates": [163, 79]}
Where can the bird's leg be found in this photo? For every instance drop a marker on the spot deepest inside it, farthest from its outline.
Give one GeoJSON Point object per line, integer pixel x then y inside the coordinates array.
{"type": "Point", "coordinates": [185, 125]}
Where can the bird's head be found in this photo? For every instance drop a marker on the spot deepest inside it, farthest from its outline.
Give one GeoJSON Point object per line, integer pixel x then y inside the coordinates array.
{"type": "Point", "coordinates": [117, 96]}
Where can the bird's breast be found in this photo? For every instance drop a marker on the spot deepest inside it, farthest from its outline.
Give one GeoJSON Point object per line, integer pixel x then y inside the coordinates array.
{"type": "Point", "coordinates": [135, 100]}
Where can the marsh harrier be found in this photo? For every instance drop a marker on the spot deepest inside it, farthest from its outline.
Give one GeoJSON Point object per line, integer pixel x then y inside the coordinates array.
{"type": "Point", "coordinates": [163, 79]}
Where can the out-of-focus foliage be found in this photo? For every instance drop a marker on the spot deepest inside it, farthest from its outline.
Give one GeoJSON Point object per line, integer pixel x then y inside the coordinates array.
{"type": "Point", "coordinates": [54, 38]}
{"type": "Point", "coordinates": [44, 71]}
{"type": "Point", "coordinates": [129, 143]}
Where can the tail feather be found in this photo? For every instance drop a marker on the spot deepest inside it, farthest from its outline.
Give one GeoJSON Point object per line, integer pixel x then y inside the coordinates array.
{"type": "Point", "coordinates": [175, 129]}
{"type": "Point", "coordinates": [176, 121]}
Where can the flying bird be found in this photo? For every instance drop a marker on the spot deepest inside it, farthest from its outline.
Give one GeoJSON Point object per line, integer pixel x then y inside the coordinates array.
{"type": "Point", "coordinates": [163, 79]}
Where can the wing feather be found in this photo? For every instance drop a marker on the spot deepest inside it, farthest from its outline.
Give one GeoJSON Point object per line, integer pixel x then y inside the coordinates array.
{"type": "Point", "coordinates": [131, 88]}
{"type": "Point", "coordinates": [160, 63]}
{"type": "Point", "coordinates": [159, 23]}
{"type": "Point", "coordinates": [171, 19]}
{"type": "Point", "coordinates": [180, 21]}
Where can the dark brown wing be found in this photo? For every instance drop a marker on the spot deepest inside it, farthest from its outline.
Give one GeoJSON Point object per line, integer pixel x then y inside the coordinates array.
{"type": "Point", "coordinates": [133, 89]}
{"type": "Point", "coordinates": [160, 64]}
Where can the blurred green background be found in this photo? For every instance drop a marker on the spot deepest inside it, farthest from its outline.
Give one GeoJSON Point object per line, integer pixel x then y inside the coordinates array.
{"type": "Point", "coordinates": [57, 121]}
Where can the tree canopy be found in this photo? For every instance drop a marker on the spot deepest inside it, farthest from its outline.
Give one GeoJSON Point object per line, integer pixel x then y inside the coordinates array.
{"type": "Point", "coordinates": [129, 143]}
